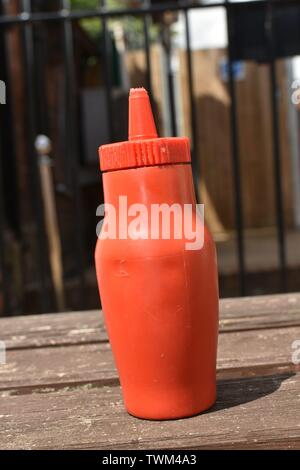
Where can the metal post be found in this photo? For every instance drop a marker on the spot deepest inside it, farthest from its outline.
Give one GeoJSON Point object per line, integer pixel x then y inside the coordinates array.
{"type": "Point", "coordinates": [193, 114]}
{"type": "Point", "coordinates": [146, 24]}
{"type": "Point", "coordinates": [279, 208]}
{"type": "Point", "coordinates": [238, 204]}
{"type": "Point", "coordinates": [4, 308]}
{"type": "Point", "coordinates": [43, 148]}
{"type": "Point", "coordinates": [35, 184]}
{"type": "Point", "coordinates": [106, 50]}
{"type": "Point", "coordinates": [72, 148]}
{"type": "Point", "coordinates": [167, 43]}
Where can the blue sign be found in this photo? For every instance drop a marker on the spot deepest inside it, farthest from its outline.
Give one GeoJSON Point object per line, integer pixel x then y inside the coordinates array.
{"type": "Point", "coordinates": [238, 69]}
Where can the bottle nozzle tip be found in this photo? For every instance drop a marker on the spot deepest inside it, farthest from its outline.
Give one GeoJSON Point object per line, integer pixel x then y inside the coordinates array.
{"type": "Point", "coordinates": [138, 92]}
{"type": "Point", "coordinates": [141, 121]}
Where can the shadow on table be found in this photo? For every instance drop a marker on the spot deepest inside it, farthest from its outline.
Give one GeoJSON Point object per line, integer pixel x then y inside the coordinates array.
{"type": "Point", "coordinates": [240, 391]}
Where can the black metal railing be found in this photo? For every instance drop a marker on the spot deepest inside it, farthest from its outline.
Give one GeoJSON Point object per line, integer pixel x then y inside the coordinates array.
{"type": "Point", "coordinates": [26, 21]}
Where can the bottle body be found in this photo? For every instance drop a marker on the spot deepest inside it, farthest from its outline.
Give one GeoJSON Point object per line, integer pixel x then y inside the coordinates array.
{"type": "Point", "coordinates": [160, 302]}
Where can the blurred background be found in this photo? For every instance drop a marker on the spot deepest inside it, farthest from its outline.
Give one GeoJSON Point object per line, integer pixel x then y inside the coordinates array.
{"type": "Point", "coordinates": [226, 74]}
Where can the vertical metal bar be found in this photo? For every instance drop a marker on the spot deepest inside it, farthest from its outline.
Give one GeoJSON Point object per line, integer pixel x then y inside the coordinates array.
{"type": "Point", "coordinates": [3, 278]}
{"type": "Point", "coordinates": [193, 114]}
{"type": "Point", "coordinates": [72, 147]}
{"type": "Point", "coordinates": [146, 24]}
{"type": "Point", "coordinates": [277, 177]}
{"type": "Point", "coordinates": [238, 205]}
{"type": "Point", "coordinates": [42, 107]}
{"type": "Point", "coordinates": [11, 204]}
{"type": "Point", "coordinates": [276, 150]}
{"type": "Point", "coordinates": [170, 79]}
{"type": "Point", "coordinates": [4, 283]}
{"type": "Point", "coordinates": [106, 50]}
{"type": "Point", "coordinates": [35, 183]}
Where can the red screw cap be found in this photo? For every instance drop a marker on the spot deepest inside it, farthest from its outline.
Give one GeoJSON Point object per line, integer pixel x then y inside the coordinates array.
{"type": "Point", "coordinates": [143, 148]}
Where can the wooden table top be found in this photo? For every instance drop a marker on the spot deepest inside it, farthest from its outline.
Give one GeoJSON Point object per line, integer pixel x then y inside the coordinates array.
{"type": "Point", "coordinates": [59, 388]}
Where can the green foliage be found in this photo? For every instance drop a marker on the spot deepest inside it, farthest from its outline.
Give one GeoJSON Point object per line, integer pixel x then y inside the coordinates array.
{"type": "Point", "coordinates": [92, 27]}
{"type": "Point", "coordinates": [84, 4]}
{"type": "Point", "coordinates": [92, 4]}
{"type": "Point", "coordinates": [133, 26]}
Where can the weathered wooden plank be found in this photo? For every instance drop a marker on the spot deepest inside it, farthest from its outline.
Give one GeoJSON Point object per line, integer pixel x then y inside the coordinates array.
{"type": "Point", "coordinates": [240, 353]}
{"type": "Point", "coordinates": [34, 331]}
{"type": "Point", "coordinates": [87, 327]}
{"type": "Point", "coordinates": [62, 365]}
{"type": "Point", "coordinates": [260, 312]}
{"type": "Point", "coordinates": [261, 412]}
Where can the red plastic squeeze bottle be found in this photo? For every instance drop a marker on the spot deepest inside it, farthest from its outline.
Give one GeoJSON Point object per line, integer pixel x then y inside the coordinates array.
{"type": "Point", "coordinates": [160, 299]}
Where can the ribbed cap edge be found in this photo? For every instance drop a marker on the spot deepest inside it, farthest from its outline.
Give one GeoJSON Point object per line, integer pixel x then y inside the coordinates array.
{"type": "Point", "coordinates": [152, 152]}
